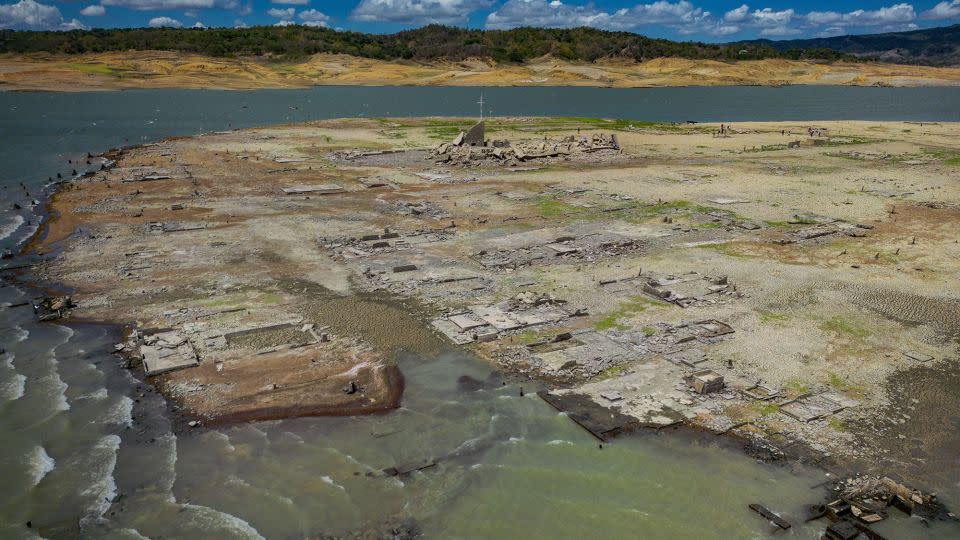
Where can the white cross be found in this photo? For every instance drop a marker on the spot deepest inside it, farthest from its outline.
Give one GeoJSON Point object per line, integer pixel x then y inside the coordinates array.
{"type": "Point", "coordinates": [481, 107]}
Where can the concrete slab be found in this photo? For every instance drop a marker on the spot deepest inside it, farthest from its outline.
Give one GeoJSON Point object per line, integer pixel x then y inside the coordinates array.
{"type": "Point", "coordinates": [466, 322]}
{"type": "Point", "coordinates": [167, 351]}
{"type": "Point", "coordinates": [319, 189]}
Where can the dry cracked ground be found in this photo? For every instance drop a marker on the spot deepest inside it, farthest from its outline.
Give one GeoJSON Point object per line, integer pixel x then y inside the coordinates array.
{"type": "Point", "coordinates": [792, 284]}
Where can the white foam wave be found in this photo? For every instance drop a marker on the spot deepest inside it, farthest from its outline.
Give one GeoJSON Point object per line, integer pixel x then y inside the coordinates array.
{"type": "Point", "coordinates": [10, 227]}
{"type": "Point", "coordinates": [132, 533]}
{"type": "Point", "coordinates": [14, 388]}
{"type": "Point", "coordinates": [168, 443]}
{"type": "Point", "coordinates": [214, 521]}
{"type": "Point", "coordinates": [557, 442]}
{"type": "Point", "coordinates": [21, 334]}
{"type": "Point", "coordinates": [39, 463]}
{"type": "Point", "coordinates": [350, 459]}
{"type": "Point", "coordinates": [102, 488]}
{"type": "Point", "coordinates": [121, 413]}
{"type": "Point", "coordinates": [57, 390]}
{"type": "Point", "coordinates": [98, 395]}
{"type": "Point", "coordinates": [328, 480]}
{"type": "Point", "coordinates": [228, 446]}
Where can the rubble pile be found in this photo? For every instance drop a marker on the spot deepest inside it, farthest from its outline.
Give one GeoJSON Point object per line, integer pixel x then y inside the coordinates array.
{"type": "Point", "coordinates": [859, 502]}
{"type": "Point", "coordinates": [503, 152]}
{"type": "Point", "coordinates": [51, 308]}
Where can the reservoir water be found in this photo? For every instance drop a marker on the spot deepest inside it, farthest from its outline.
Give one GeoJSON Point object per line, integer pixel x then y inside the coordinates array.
{"type": "Point", "coordinates": [89, 452]}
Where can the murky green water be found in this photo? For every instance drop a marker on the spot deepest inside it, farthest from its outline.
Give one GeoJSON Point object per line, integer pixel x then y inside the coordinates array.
{"type": "Point", "coordinates": [88, 450]}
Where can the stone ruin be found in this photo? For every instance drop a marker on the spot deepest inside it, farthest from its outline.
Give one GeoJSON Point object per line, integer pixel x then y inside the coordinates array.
{"type": "Point", "coordinates": [471, 148]}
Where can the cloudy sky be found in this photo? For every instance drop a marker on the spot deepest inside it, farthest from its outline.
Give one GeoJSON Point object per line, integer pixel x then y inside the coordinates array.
{"type": "Point", "coordinates": [706, 20]}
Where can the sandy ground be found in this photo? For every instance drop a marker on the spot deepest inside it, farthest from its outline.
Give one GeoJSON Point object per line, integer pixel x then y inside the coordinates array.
{"type": "Point", "coordinates": [830, 314]}
{"type": "Point", "coordinates": [159, 69]}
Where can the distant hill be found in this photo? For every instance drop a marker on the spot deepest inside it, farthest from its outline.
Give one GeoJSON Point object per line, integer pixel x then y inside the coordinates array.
{"type": "Point", "coordinates": [429, 43]}
{"type": "Point", "coordinates": [935, 46]}
{"type": "Point", "coordinates": [931, 46]}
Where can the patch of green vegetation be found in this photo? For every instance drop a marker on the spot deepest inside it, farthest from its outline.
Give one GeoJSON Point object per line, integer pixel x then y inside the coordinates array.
{"type": "Point", "coordinates": [769, 317]}
{"type": "Point", "coordinates": [649, 331]}
{"type": "Point", "coordinates": [796, 387]}
{"type": "Point", "coordinates": [637, 304]}
{"type": "Point", "coordinates": [844, 327]}
{"type": "Point", "coordinates": [549, 206]}
{"type": "Point", "coordinates": [99, 69]}
{"type": "Point", "coordinates": [611, 372]}
{"type": "Point", "coordinates": [949, 156]}
{"type": "Point", "coordinates": [836, 424]}
{"type": "Point", "coordinates": [764, 408]}
{"type": "Point", "coordinates": [843, 385]}
{"type": "Point", "coordinates": [443, 133]}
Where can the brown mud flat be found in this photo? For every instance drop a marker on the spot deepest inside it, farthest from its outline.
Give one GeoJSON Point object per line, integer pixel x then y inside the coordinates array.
{"type": "Point", "coordinates": [234, 398]}
{"type": "Point", "coordinates": [161, 69]}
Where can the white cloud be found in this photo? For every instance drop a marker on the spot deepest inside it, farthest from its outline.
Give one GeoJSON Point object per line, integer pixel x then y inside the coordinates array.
{"type": "Point", "coordinates": [682, 16]}
{"type": "Point", "coordinates": [199, 25]}
{"type": "Point", "coordinates": [281, 13]}
{"type": "Point", "coordinates": [284, 23]}
{"type": "Point", "coordinates": [151, 5]}
{"type": "Point", "coordinates": [417, 11]}
{"type": "Point", "coordinates": [898, 14]}
{"type": "Point", "coordinates": [770, 18]}
{"type": "Point", "coordinates": [164, 22]}
{"type": "Point", "coordinates": [741, 14]}
{"type": "Point", "coordinates": [291, 2]}
{"type": "Point", "coordinates": [943, 10]}
{"type": "Point", "coordinates": [312, 17]}
{"type": "Point", "coordinates": [238, 23]}
{"type": "Point", "coordinates": [831, 32]}
{"type": "Point", "coordinates": [30, 15]}
{"type": "Point", "coordinates": [93, 11]}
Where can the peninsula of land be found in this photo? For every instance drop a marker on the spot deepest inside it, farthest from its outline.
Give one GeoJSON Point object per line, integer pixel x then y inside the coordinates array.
{"type": "Point", "coordinates": [793, 284]}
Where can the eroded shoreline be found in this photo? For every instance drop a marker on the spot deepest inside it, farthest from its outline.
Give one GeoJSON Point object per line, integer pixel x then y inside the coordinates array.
{"type": "Point", "coordinates": [160, 69]}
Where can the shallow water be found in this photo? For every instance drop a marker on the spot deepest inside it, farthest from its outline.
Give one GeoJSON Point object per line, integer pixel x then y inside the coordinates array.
{"type": "Point", "coordinates": [81, 433]}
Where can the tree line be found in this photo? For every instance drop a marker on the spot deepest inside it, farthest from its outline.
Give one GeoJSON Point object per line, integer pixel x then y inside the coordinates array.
{"type": "Point", "coordinates": [434, 42]}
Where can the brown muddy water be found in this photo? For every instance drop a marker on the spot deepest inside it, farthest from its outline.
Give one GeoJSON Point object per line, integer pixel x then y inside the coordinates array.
{"type": "Point", "coordinates": [89, 451]}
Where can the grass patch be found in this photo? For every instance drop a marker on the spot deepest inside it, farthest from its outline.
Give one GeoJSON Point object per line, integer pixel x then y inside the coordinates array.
{"type": "Point", "coordinates": [764, 408]}
{"type": "Point", "coordinates": [611, 372]}
{"type": "Point", "coordinates": [768, 317]}
{"type": "Point", "coordinates": [836, 424]}
{"type": "Point", "coordinates": [796, 387]}
{"type": "Point", "coordinates": [443, 133]}
{"type": "Point", "coordinates": [839, 383]}
{"type": "Point", "coordinates": [637, 304]}
{"type": "Point", "coordinates": [99, 69]}
{"type": "Point", "coordinates": [549, 206]}
{"type": "Point", "coordinates": [844, 327]}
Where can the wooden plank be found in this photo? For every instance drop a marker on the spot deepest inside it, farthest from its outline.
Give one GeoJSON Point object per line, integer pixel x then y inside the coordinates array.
{"type": "Point", "coordinates": [770, 516]}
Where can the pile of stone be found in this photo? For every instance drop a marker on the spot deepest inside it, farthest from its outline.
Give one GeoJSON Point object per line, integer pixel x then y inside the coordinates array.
{"type": "Point", "coordinates": [857, 503]}
{"type": "Point", "coordinates": [503, 152]}
{"type": "Point", "coordinates": [53, 307]}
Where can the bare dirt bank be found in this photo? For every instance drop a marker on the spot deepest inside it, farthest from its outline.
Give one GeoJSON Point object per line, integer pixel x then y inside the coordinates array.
{"type": "Point", "coordinates": [160, 69]}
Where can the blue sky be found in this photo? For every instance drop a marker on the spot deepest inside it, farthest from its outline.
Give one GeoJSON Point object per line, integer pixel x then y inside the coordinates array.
{"type": "Point", "coordinates": [704, 20]}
